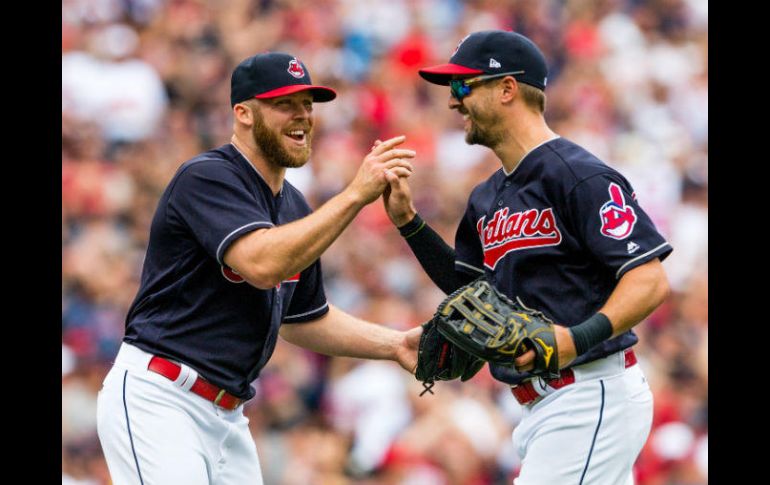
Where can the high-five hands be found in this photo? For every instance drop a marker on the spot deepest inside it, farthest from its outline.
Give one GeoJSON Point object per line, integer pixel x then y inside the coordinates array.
{"type": "Point", "coordinates": [383, 162]}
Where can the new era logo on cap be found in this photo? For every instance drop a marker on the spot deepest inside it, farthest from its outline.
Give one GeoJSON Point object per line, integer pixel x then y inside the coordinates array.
{"type": "Point", "coordinates": [492, 52]}
{"type": "Point", "coordinates": [274, 74]}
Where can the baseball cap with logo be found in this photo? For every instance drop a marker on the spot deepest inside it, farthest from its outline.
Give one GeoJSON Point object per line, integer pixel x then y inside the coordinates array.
{"type": "Point", "coordinates": [273, 74]}
{"type": "Point", "coordinates": [493, 52]}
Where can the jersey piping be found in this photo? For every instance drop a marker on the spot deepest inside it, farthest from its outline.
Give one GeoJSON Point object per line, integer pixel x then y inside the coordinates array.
{"type": "Point", "coordinates": [307, 313]}
{"type": "Point", "coordinates": [220, 257]}
{"type": "Point", "coordinates": [526, 154]}
{"type": "Point", "coordinates": [617, 275]}
{"type": "Point", "coordinates": [466, 265]}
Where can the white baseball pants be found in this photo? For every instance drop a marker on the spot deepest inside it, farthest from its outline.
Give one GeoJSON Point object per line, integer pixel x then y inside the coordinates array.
{"type": "Point", "coordinates": [155, 433]}
{"type": "Point", "coordinates": [589, 432]}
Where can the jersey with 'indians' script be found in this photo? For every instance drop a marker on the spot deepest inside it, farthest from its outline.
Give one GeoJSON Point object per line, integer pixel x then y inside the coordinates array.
{"type": "Point", "coordinates": [558, 233]}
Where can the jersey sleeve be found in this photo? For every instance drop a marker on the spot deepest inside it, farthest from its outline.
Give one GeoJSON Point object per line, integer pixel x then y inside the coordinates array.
{"type": "Point", "coordinates": [612, 224]}
{"type": "Point", "coordinates": [217, 206]}
{"type": "Point", "coordinates": [470, 255]}
{"type": "Point", "coordinates": [309, 299]}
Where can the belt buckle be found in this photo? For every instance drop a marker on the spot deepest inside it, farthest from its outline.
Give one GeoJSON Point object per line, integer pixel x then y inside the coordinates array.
{"type": "Point", "coordinates": [219, 396]}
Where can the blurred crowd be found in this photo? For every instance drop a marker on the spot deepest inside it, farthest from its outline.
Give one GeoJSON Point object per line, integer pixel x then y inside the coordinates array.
{"type": "Point", "coordinates": [145, 86]}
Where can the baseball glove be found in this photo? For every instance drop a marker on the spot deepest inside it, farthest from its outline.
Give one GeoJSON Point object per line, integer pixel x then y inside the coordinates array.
{"type": "Point", "coordinates": [485, 323]}
{"type": "Point", "coordinates": [439, 360]}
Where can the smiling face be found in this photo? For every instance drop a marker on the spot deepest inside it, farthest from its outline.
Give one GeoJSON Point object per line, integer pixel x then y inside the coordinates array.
{"type": "Point", "coordinates": [483, 124]}
{"type": "Point", "coordinates": [283, 128]}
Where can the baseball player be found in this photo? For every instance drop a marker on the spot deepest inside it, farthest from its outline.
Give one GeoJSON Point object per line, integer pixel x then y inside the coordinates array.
{"type": "Point", "coordinates": [561, 231]}
{"type": "Point", "coordinates": [232, 262]}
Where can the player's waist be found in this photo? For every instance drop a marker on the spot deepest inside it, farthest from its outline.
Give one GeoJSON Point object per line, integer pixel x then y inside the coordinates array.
{"type": "Point", "coordinates": [137, 360]}
{"type": "Point", "coordinates": [531, 390]}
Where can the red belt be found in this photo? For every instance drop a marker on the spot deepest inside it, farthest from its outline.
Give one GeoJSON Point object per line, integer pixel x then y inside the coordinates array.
{"type": "Point", "coordinates": [203, 388]}
{"type": "Point", "coordinates": [525, 392]}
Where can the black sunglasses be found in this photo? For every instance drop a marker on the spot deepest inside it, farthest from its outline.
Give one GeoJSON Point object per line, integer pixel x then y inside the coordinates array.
{"type": "Point", "coordinates": [461, 88]}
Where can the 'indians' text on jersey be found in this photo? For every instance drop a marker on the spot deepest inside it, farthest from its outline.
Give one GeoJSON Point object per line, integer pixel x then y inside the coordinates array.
{"type": "Point", "coordinates": [558, 233]}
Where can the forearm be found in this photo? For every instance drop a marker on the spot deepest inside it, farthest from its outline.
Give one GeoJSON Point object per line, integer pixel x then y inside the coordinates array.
{"type": "Point", "coordinates": [269, 256]}
{"type": "Point", "coordinates": [342, 335]}
{"type": "Point", "coordinates": [435, 256]}
{"type": "Point", "coordinates": [639, 293]}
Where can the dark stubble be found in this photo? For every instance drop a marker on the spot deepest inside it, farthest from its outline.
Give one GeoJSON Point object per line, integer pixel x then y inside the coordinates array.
{"type": "Point", "coordinates": [269, 142]}
{"type": "Point", "coordinates": [485, 129]}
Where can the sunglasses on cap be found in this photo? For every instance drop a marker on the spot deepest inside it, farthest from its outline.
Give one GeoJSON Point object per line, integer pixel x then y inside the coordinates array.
{"type": "Point", "coordinates": [461, 88]}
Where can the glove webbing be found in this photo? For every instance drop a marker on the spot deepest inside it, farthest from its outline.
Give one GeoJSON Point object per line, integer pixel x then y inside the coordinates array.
{"type": "Point", "coordinates": [500, 336]}
{"type": "Point", "coordinates": [468, 313]}
{"type": "Point", "coordinates": [497, 334]}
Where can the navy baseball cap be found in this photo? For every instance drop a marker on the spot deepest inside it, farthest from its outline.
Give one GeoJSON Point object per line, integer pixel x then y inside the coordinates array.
{"type": "Point", "coordinates": [273, 74]}
{"type": "Point", "coordinates": [492, 52]}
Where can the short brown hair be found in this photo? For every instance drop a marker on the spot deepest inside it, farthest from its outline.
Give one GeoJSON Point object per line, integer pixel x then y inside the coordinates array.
{"type": "Point", "coordinates": [533, 97]}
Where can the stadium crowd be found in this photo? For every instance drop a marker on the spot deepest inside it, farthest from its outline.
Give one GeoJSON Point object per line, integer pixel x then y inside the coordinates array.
{"type": "Point", "coordinates": [145, 86]}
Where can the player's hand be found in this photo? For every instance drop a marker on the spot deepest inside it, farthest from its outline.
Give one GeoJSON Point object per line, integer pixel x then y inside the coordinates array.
{"type": "Point", "coordinates": [397, 198]}
{"type": "Point", "coordinates": [371, 180]}
{"type": "Point", "coordinates": [564, 343]}
{"type": "Point", "coordinates": [526, 361]}
{"type": "Point", "coordinates": [406, 354]}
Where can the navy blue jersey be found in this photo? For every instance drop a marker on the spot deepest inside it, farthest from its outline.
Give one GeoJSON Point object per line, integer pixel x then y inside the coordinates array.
{"type": "Point", "coordinates": [190, 306]}
{"type": "Point", "coordinates": [558, 233]}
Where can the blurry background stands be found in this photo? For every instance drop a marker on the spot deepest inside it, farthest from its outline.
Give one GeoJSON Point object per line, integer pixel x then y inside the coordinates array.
{"type": "Point", "coordinates": [145, 86]}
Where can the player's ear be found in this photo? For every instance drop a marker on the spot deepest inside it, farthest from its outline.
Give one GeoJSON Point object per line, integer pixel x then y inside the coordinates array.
{"type": "Point", "coordinates": [509, 89]}
{"type": "Point", "coordinates": [243, 114]}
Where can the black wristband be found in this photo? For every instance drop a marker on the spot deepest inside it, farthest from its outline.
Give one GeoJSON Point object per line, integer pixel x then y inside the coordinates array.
{"type": "Point", "coordinates": [412, 227]}
{"type": "Point", "coordinates": [590, 333]}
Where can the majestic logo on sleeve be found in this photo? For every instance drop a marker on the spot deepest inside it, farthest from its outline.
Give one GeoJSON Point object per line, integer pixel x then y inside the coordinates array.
{"type": "Point", "coordinates": [295, 69]}
{"type": "Point", "coordinates": [511, 232]}
{"type": "Point", "coordinates": [618, 219]}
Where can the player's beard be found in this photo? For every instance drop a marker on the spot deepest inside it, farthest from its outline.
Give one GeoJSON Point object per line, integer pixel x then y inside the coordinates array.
{"type": "Point", "coordinates": [270, 143]}
{"type": "Point", "coordinates": [485, 128]}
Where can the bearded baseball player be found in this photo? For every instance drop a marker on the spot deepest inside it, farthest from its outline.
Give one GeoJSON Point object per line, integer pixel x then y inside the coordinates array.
{"type": "Point", "coordinates": [556, 230]}
{"type": "Point", "coordinates": [232, 262]}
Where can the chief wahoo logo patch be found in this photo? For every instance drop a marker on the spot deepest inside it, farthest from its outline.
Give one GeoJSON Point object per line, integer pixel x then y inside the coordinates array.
{"type": "Point", "coordinates": [295, 69]}
{"type": "Point", "coordinates": [618, 219]}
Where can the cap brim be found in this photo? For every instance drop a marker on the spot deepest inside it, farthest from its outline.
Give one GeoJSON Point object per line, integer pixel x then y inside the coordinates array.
{"type": "Point", "coordinates": [443, 73]}
{"type": "Point", "coordinates": [321, 94]}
